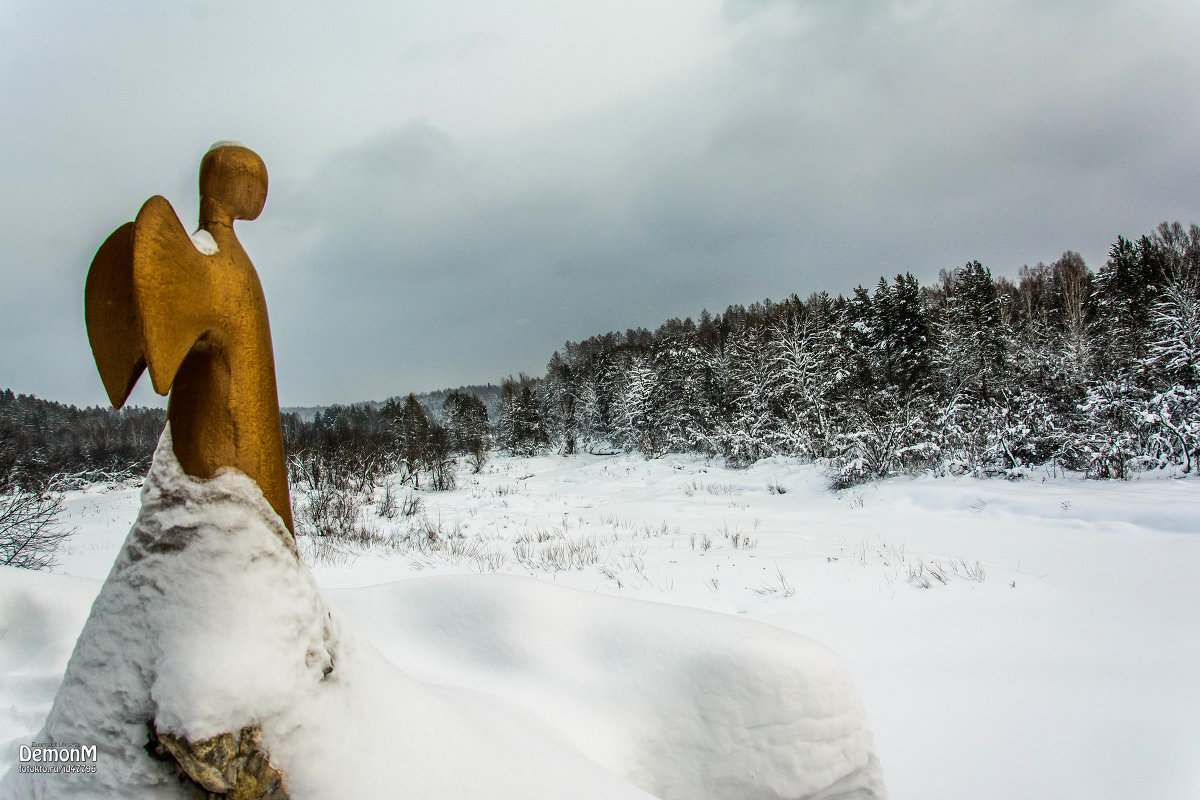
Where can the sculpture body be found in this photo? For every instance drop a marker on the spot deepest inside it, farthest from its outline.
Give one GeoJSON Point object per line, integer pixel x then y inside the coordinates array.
{"type": "Point", "coordinates": [198, 322]}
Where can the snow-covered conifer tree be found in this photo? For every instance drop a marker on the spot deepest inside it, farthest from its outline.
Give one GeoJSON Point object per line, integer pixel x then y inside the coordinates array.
{"type": "Point", "coordinates": [754, 429]}
{"type": "Point", "coordinates": [520, 427]}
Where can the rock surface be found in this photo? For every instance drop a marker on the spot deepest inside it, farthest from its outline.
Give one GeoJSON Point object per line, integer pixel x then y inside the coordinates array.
{"type": "Point", "coordinates": [225, 766]}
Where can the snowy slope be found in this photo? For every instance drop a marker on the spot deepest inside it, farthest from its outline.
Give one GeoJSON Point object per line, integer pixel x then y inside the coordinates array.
{"type": "Point", "coordinates": [1068, 671]}
{"type": "Point", "coordinates": [207, 623]}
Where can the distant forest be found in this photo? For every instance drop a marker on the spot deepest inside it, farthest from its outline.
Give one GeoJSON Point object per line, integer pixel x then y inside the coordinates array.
{"type": "Point", "coordinates": [41, 440]}
{"type": "Point", "coordinates": [44, 442]}
{"type": "Point", "coordinates": [974, 374]}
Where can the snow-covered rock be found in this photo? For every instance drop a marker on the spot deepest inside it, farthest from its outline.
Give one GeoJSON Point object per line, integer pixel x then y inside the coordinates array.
{"type": "Point", "coordinates": [505, 687]}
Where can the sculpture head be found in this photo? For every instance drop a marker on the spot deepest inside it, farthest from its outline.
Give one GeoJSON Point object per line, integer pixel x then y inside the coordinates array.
{"type": "Point", "coordinates": [233, 184]}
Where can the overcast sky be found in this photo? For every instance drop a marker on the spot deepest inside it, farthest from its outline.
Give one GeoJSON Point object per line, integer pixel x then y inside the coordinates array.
{"type": "Point", "coordinates": [457, 188]}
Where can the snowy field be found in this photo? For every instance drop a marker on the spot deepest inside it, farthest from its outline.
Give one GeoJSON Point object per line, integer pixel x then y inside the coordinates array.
{"type": "Point", "coordinates": [1036, 639]}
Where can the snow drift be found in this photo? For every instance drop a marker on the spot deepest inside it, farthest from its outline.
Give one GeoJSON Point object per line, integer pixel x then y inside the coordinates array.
{"type": "Point", "coordinates": [682, 702]}
{"type": "Point", "coordinates": [506, 688]}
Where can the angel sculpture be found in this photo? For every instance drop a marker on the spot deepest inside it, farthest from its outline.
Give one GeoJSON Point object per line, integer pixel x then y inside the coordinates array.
{"type": "Point", "coordinates": [191, 310]}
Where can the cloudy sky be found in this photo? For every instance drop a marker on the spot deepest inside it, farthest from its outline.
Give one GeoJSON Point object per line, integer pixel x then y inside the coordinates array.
{"type": "Point", "coordinates": [457, 188]}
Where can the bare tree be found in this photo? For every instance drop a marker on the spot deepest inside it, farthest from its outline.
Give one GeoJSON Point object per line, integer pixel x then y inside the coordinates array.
{"type": "Point", "coordinates": [29, 528]}
{"type": "Point", "coordinates": [439, 458]}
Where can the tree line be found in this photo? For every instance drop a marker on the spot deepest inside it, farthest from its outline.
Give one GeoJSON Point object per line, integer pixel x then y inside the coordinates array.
{"type": "Point", "coordinates": [41, 439]}
{"type": "Point", "coordinates": [45, 443]}
{"type": "Point", "coordinates": [335, 462]}
{"type": "Point", "coordinates": [45, 446]}
{"type": "Point", "coordinates": [352, 447]}
{"type": "Point", "coordinates": [1094, 372]}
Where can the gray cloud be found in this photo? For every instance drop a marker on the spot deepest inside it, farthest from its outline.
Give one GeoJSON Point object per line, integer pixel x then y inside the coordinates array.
{"type": "Point", "coordinates": [431, 235]}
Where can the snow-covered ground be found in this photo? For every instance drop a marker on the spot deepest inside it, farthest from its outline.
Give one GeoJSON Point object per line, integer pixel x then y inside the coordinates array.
{"type": "Point", "coordinates": [1030, 639]}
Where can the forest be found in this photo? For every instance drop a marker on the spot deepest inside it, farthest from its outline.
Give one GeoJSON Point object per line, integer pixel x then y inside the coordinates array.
{"type": "Point", "coordinates": [974, 374]}
{"type": "Point", "coordinates": [42, 441]}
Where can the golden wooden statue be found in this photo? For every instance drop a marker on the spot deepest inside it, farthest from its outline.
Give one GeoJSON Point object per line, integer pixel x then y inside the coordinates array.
{"type": "Point", "coordinates": [196, 318]}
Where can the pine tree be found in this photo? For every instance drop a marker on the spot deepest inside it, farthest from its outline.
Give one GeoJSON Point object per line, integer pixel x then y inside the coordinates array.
{"type": "Point", "coordinates": [1173, 343]}
{"type": "Point", "coordinates": [974, 353]}
{"type": "Point", "coordinates": [1174, 349]}
{"type": "Point", "coordinates": [410, 429]}
{"type": "Point", "coordinates": [677, 401]}
{"type": "Point", "coordinates": [1122, 306]}
{"type": "Point", "coordinates": [559, 391]}
{"type": "Point", "coordinates": [520, 426]}
{"type": "Point", "coordinates": [907, 328]}
{"type": "Point", "coordinates": [858, 343]}
{"type": "Point", "coordinates": [636, 418]}
{"type": "Point", "coordinates": [466, 421]}
{"type": "Point", "coordinates": [1118, 431]}
{"type": "Point", "coordinates": [800, 346]}
{"type": "Point", "coordinates": [754, 430]}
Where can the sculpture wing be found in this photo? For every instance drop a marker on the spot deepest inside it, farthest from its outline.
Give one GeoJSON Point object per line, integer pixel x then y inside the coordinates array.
{"type": "Point", "coordinates": [173, 291]}
{"type": "Point", "coordinates": [113, 325]}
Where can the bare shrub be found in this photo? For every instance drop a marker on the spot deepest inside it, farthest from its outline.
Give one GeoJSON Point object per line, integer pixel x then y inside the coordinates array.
{"type": "Point", "coordinates": [411, 505]}
{"type": "Point", "coordinates": [387, 504]}
{"type": "Point", "coordinates": [783, 588]}
{"type": "Point", "coordinates": [717, 489]}
{"type": "Point", "coordinates": [429, 536]}
{"type": "Point", "coordinates": [476, 459]}
{"type": "Point", "coordinates": [490, 561]}
{"type": "Point", "coordinates": [354, 465]}
{"type": "Point", "coordinates": [648, 531]}
{"type": "Point", "coordinates": [922, 574]}
{"type": "Point", "coordinates": [557, 552]}
{"type": "Point", "coordinates": [335, 525]}
{"type": "Point", "coordinates": [338, 521]}
{"type": "Point", "coordinates": [442, 477]}
{"type": "Point", "coordinates": [735, 537]}
{"type": "Point", "coordinates": [539, 535]}
{"type": "Point", "coordinates": [440, 460]}
{"type": "Point", "coordinates": [29, 528]}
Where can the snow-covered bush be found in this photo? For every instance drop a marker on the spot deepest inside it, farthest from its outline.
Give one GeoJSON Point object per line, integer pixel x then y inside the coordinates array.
{"type": "Point", "coordinates": [895, 439]}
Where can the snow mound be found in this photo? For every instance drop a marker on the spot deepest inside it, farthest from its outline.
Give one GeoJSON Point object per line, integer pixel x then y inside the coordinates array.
{"type": "Point", "coordinates": [41, 614]}
{"type": "Point", "coordinates": [681, 702]}
{"type": "Point", "coordinates": [506, 688]}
